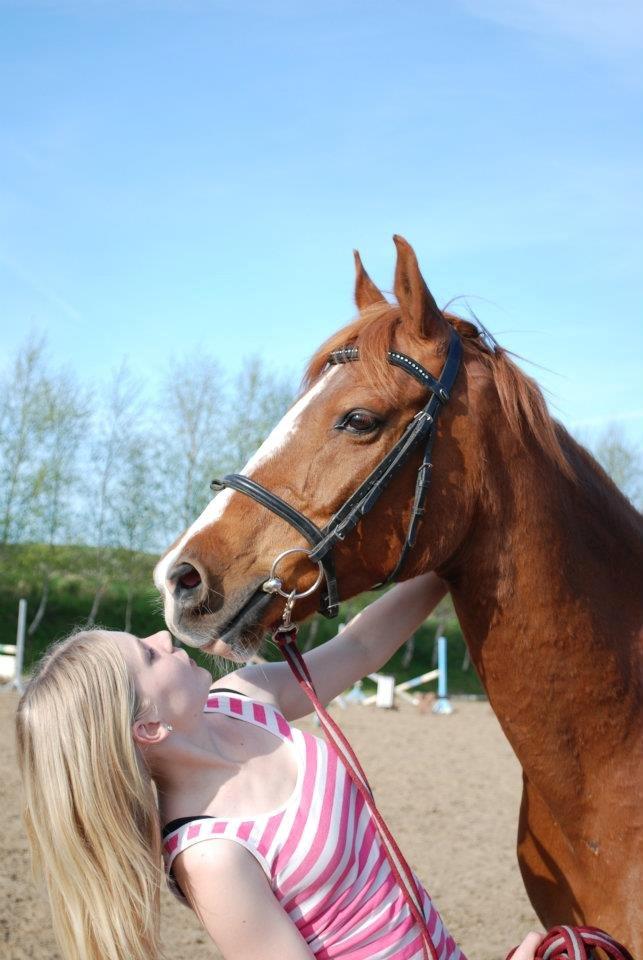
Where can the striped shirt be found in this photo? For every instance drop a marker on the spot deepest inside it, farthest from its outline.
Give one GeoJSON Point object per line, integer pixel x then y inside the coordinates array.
{"type": "Point", "coordinates": [321, 854]}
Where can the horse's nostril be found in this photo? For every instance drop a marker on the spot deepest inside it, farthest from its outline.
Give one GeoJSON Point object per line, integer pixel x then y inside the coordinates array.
{"type": "Point", "coordinates": [190, 579]}
{"type": "Point", "coordinates": [184, 577]}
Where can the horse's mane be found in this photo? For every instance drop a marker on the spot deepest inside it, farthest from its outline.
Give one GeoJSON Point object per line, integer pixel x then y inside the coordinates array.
{"type": "Point", "coordinates": [520, 396]}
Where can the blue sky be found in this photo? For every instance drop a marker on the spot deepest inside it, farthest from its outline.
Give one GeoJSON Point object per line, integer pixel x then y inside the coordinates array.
{"type": "Point", "coordinates": [189, 176]}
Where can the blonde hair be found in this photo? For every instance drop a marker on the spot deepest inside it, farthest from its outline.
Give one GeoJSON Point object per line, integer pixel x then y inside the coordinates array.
{"type": "Point", "coordinates": [90, 809]}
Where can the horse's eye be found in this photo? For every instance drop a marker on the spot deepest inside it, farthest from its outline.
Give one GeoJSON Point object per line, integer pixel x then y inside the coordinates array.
{"type": "Point", "coordinates": [359, 421]}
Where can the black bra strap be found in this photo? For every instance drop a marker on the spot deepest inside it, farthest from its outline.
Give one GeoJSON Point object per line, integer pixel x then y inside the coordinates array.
{"type": "Point", "coordinates": [228, 690]}
{"type": "Point", "coordinates": [180, 821]}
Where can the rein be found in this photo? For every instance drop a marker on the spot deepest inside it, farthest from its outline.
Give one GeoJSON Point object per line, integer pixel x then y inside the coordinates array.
{"type": "Point", "coordinates": [420, 429]}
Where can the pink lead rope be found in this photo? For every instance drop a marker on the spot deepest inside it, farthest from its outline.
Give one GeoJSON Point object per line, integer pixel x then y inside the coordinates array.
{"type": "Point", "coordinates": [561, 943]}
{"type": "Point", "coordinates": [286, 641]}
{"type": "Point", "coordinates": [577, 943]}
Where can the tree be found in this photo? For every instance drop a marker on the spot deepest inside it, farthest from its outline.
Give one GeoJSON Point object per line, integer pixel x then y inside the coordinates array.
{"type": "Point", "coordinates": [258, 402]}
{"type": "Point", "coordinates": [622, 460]}
{"type": "Point", "coordinates": [194, 406]}
{"type": "Point", "coordinates": [113, 429]}
{"type": "Point", "coordinates": [65, 410]}
{"type": "Point", "coordinates": [134, 501]}
{"type": "Point", "coordinates": [22, 425]}
{"type": "Point", "coordinates": [211, 428]}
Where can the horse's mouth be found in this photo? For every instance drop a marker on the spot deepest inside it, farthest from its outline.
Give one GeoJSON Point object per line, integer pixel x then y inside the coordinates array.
{"type": "Point", "coordinates": [240, 630]}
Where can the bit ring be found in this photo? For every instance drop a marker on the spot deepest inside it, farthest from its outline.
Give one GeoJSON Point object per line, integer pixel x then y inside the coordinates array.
{"type": "Point", "coordinates": [292, 594]}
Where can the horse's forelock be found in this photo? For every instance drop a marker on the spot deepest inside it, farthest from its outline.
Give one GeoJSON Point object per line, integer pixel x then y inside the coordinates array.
{"type": "Point", "coordinates": [373, 332]}
{"type": "Point", "coordinates": [521, 399]}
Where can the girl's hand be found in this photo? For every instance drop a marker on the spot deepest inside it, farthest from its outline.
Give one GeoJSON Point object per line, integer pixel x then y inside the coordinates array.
{"type": "Point", "coordinates": [528, 947]}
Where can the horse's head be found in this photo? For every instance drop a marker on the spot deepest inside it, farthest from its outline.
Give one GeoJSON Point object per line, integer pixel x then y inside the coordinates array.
{"type": "Point", "coordinates": [347, 418]}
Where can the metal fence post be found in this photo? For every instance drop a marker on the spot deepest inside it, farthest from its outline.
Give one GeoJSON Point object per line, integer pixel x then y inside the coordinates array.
{"type": "Point", "coordinates": [442, 704]}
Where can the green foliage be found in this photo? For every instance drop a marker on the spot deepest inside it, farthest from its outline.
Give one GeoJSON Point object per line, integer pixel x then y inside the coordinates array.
{"type": "Point", "coordinates": [72, 591]}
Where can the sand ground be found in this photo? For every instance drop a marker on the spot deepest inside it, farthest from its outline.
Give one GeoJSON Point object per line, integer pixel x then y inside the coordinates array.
{"type": "Point", "coordinates": [449, 788]}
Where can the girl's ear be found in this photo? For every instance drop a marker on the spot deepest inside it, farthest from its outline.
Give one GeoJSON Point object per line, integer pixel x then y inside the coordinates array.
{"type": "Point", "coordinates": [366, 293]}
{"type": "Point", "coordinates": [420, 312]}
{"type": "Point", "coordinates": [148, 732]}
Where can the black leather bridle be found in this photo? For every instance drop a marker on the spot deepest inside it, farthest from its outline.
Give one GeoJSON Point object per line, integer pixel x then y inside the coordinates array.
{"type": "Point", "coordinates": [421, 428]}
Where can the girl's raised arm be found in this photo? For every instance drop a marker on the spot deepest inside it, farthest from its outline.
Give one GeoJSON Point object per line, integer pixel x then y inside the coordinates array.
{"type": "Point", "coordinates": [362, 647]}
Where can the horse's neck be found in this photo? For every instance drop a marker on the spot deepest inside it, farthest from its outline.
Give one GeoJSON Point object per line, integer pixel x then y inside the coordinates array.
{"type": "Point", "coordinates": [547, 591]}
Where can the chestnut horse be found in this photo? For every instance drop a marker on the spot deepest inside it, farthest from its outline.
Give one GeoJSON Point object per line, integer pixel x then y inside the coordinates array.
{"type": "Point", "coordinates": [542, 553]}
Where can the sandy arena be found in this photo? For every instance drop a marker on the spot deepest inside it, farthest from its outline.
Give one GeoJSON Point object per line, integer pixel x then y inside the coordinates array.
{"type": "Point", "coordinates": [449, 788]}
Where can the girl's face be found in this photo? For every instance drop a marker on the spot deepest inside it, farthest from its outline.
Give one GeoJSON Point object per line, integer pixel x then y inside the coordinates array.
{"type": "Point", "coordinates": [167, 677]}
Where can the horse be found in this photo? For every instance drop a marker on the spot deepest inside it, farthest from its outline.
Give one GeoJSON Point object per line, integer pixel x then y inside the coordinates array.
{"type": "Point", "coordinates": [541, 552]}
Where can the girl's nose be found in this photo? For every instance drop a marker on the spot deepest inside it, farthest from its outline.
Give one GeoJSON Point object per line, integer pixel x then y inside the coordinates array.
{"type": "Point", "coordinates": [163, 639]}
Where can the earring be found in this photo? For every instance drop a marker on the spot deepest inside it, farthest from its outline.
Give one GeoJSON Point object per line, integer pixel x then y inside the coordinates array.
{"type": "Point", "coordinates": [168, 727]}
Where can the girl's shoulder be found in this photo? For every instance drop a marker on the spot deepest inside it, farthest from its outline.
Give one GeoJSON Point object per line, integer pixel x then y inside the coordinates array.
{"type": "Point", "coordinates": [246, 682]}
{"type": "Point", "coordinates": [260, 711]}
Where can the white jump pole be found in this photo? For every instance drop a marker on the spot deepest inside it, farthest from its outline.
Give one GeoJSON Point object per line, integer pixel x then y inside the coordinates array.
{"type": "Point", "coordinates": [387, 689]}
{"type": "Point", "coordinates": [442, 704]}
{"type": "Point", "coordinates": [401, 689]}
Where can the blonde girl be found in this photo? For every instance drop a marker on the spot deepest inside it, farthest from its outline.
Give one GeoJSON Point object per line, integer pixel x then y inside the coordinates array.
{"type": "Point", "coordinates": [131, 757]}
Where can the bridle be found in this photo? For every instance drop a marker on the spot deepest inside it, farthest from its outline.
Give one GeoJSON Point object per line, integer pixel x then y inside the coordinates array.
{"type": "Point", "coordinates": [420, 429]}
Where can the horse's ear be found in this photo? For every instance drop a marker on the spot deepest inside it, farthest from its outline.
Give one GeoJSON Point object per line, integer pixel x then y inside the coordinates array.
{"type": "Point", "coordinates": [366, 293]}
{"type": "Point", "coordinates": [416, 302]}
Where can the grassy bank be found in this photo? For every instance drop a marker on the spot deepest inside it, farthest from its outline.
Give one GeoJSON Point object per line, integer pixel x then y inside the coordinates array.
{"type": "Point", "coordinates": [73, 581]}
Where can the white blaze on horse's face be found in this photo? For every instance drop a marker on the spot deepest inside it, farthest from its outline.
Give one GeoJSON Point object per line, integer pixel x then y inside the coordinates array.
{"type": "Point", "coordinates": [285, 430]}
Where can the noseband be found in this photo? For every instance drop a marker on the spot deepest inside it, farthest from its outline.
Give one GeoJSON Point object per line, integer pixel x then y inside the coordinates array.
{"type": "Point", "coordinates": [420, 429]}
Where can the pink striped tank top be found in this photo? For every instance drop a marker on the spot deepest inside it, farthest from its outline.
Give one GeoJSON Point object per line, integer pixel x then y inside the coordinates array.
{"type": "Point", "coordinates": [321, 854]}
